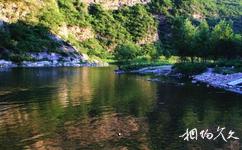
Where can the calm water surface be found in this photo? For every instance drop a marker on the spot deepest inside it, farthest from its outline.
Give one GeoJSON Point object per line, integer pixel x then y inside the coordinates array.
{"type": "Point", "coordinates": [93, 108]}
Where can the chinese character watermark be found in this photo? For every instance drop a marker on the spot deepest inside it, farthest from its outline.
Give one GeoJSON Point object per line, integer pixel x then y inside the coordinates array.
{"type": "Point", "coordinates": [194, 134]}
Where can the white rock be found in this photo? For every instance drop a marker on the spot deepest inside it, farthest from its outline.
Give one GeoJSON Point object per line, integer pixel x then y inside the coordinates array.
{"type": "Point", "coordinates": [235, 82]}
{"type": "Point", "coordinates": [84, 57]}
{"type": "Point", "coordinates": [7, 64]}
{"type": "Point", "coordinates": [194, 81]}
{"type": "Point", "coordinates": [1, 23]}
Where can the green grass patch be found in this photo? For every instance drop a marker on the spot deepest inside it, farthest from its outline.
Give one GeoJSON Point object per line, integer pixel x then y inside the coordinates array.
{"type": "Point", "coordinates": [143, 62]}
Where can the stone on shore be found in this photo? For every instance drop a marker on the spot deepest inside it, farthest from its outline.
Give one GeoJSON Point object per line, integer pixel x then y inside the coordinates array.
{"type": "Point", "coordinates": [236, 82]}
{"type": "Point", "coordinates": [221, 81]}
{"type": "Point", "coordinates": [45, 59]}
{"type": "Point", "coordinates": [7, 64]}
{"type": "Point", "coordinates": [158, 70]}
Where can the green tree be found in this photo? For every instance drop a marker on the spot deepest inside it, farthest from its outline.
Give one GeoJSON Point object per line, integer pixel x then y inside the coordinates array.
{"type": "Point", "coordinates": [73, 12]}
{"type": "Point", "coordinates": [93, 48]}
{"type": "Point", "coordinates": [136, 20]}
{"type": "Point", "coordinates": [238, 41]}
{"type": "Point", "coordinates": [108, 29]}
{"type": "Point", "coordinates": [223, 40]}
{"type": "Point", "coordinates": [184, 38]}
{"type": "Point", "coordinates": [127, 51]}
{"type": "Point", "coordinates": [202, 40]}
{"type": "Point", "coordinates": [160, 6]}
{"type": "Point", "coordinates": [52, 18]}
{"type": "Point", "coordinates": [150, 50]}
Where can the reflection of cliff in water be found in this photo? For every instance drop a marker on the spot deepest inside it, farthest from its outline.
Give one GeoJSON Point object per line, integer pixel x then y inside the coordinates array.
{"type": "Point", "coordinates": [111, 131]}
{"type": "Point", "coordinates": [92, 108]}
{"type": "Point", "coordinates": [73, 108]}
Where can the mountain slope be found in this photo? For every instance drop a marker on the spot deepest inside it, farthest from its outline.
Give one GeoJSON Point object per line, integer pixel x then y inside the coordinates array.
{"type": "Point", "coordinates": [96, 28]}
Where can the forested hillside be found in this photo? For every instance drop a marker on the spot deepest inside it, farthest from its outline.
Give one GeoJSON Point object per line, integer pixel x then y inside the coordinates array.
{"type": "Point", "coordinates": [134, 29]}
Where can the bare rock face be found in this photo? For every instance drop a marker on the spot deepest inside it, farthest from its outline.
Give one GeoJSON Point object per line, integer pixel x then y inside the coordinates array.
{"type": "Point", "coordinates": [198, 16]}
{"type": "Point", "coordinates": [115, 4]}
{"type": "Point", "coordinates": [151, 37]}
{"type": "Point", "coordinates": [11, 11]}
{"type": "Point", "coordinates": [79, 33]}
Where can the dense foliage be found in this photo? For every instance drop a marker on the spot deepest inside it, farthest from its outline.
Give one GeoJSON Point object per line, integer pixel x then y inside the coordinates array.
{"type": "Point", "coordinates": [190, 68]}
{"type": "Point", "coordinates": [205, 42]}
{"type": "Point", "coordinates": [137, 21]}
{"type": "Point", "coordinates": [200, 30]}
{"type": "Point", "coordinates": [127, 51]}
{"type": "Point", "coordinates": [21, 37]}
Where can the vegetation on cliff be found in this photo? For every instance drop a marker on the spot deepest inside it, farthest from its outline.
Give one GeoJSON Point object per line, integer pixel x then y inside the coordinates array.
{"type": "Point", "coordinates": [191, 29]}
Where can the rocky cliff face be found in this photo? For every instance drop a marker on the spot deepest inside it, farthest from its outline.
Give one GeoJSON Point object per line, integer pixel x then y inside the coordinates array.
{"type": "Point", "coordinates": [149, 38]}
{"type": "Point", "coordinates": [30, 11]}
{"type": "Point", "coordinates": [11, 11]}
{"type": "Point", "coordinates": [79, 33]}
{"type": "Point", "coordinates": [14, 11]}
{"type": "Point", "coordinates": [115, 4]}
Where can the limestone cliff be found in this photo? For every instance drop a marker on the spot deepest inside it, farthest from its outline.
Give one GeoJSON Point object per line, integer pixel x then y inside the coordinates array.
{"type": "Point", "coordinates": [66, 27]}
{"type": "Point", "coordinates": [115, 4]}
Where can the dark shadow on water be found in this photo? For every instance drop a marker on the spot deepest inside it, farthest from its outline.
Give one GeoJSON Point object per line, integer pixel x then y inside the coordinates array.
{"type": "Point", "coordinates": [191, 107]}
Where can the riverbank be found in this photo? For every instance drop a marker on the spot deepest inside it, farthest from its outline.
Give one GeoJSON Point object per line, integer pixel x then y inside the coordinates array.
{"type": "Point", "coordinates": [230, 82]}
{"type": "Point", "coordinates": [157, 70]}
{"type": "Point", "coordinates": [44, 59]}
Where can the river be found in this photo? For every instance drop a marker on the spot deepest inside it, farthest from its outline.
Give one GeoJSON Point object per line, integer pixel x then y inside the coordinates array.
{"type": "Point", "coordinates": [94, 108]}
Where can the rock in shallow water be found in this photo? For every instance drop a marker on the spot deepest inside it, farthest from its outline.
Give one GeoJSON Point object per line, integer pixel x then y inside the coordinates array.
{"type": "Point", "coordinates": [7, 64]}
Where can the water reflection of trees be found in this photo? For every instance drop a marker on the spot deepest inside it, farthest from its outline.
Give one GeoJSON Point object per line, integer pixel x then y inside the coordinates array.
{"type": "Point", "coordinates": [91, 108]}
{"type": "Point", "coordinates": [193, 107]}
{"type": "Point", "coordinates": [76, 108]}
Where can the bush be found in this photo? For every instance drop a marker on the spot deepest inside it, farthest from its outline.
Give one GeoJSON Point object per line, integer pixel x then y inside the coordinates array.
{"type": "Point", "coordinates": [136, 20]}
{"type": "Point", "coordinates": [190, 68]}
{"type": "Point", "coordinates": [149, 50]}
{"type": "Point", "coordinates": [73, 12]}
{"type": "Point", "coordinates": [108, 29]}
{"type": "Point", "coordinates": [51, 18]}
{"type": "Point", "coordinates": [20, 57]}
{"type": "Point", "coordinates": [94, 48]}
{"type": "Point", "coordinates": [23, 37]}
{"type": "Point", "coordinates": [127, 51]}
{"type": "Point", "coordinates": [236, 63]}
{"type": "Point", "coordinates": [5, 40]}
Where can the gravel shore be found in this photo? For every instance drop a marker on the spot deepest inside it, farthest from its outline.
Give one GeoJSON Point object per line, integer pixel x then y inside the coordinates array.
{"type": "Point", "coordinates": [226, 82]}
